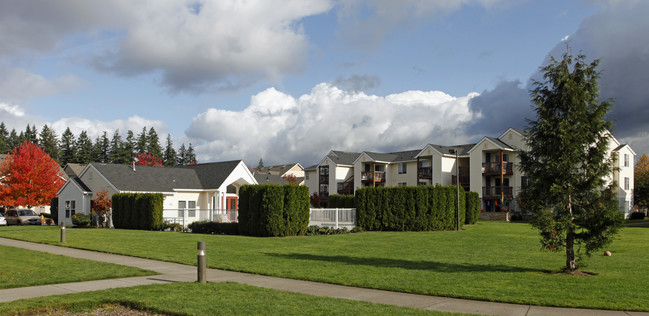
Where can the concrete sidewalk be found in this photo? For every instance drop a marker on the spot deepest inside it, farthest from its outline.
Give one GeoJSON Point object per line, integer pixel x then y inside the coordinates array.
{"type": "Point", "coordinates": [173, 272]}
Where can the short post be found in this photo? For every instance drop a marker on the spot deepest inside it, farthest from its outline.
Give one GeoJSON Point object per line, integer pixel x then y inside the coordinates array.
{"type": "Point", "coordinates": [63, 232]}
{"type": "Point", "coordinates": [336, 218]}
{"type": "Point", "coordinates": [202, 278]}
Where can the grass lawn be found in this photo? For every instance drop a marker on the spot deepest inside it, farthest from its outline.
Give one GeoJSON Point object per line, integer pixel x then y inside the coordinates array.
{"type": "Point", "coordinates": [492, 261]}
{"type": "Point", "coordinates": [20, 267]}
{"type": "Point", "coordinates": [207, 299]}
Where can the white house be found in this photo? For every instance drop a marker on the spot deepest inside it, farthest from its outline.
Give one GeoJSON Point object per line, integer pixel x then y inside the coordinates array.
{"type": "Point", "coordinates": [194, 192]}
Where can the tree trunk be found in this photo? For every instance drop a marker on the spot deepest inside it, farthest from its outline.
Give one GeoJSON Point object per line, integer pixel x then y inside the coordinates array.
{"type": "Point", "coordinates": [571, 265]}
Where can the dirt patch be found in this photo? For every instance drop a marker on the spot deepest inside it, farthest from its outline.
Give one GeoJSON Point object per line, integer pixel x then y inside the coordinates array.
{"type": "Point", "coordinates": [107, 310]}
{"type": "Point", "coordinates": [574, 273]}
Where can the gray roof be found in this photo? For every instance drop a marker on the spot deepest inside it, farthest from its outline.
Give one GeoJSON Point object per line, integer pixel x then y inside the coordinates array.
{"type": "Point", "coordinates": [399, 156]}
{"type": "Point", "coordinates": [343, 157]}
{"type": "Point", "coordinates": [463, 150]}
{"type": "Point", "coordinates": [74, 169]}
{"type": "Point", "coordinates": [161, 179]}
{"type": "Point", "coordinates": [276, 170]}
{"type": "Point", "coordinates": [269, 178]}
{"type": "Point", "coordinates": [80, 183]}
{"type": "Point", "coordinates": [499, 142]}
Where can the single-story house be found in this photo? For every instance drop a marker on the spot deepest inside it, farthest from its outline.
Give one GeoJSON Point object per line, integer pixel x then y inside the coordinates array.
{"type": "Point", "coordinates": [191, 193]}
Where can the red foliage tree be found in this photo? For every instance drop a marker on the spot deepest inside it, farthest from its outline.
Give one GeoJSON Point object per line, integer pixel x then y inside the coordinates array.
{"type": "Point", "coordinates": [29, 177]}
{"type": "Point", "coordinates": [146, 159]}
{"type": "Point", "coordinates": [291, 179]}
{"type": "Point", "coordinates": [101, 205]}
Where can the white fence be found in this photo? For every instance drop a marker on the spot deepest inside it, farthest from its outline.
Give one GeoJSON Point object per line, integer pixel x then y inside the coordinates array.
{"type": "Point", "coordinates": [336, 217]}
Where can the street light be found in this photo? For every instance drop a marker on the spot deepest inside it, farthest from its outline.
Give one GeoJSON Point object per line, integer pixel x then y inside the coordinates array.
{"type": "Point", "coordinates": [457, 184]}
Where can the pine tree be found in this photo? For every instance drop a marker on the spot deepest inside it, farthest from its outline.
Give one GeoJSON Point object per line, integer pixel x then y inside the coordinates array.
{"type": "Point", "coordinates": [567, 161]}
{"type": "Point", "coordinates": [153, 143]}
{"type": "Point", "coordinates": [68, 150]}
{"type": "Point", "coordinates": [191, 156]}
{"type": "Point", "coordinates": [49, 142]}
{"type": "Point", "coordinates": [115, 152]}
{"type": "Point", "coordinates": [13, 140]}
{"type": "Point", "coordinates": [4, 139]}
{"type": "Point", "coordinates": [260, 164]}
{"type": "Point", "coordinates": [30, 135]}
{"type": "Point", "coordinates": [169, 157]}
{"type": "Point", "coordinates": [142, 142]}
{"type": "Point", "coordinates": [84, 149]}
{"type": "Point", "coordinates": [182, 155]}
{"type": "Point", "coordinates": [128, 151]}
{"type": "Point", "coordinates": [101, 148]}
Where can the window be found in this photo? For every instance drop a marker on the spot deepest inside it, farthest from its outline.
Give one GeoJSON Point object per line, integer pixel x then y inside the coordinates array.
{"type": "Point", "coordinates": [525, 182]}
{"type": "Point", "coordinates": [191, 205]}
{"type": "Point", "coordinates": [182, 205]}
{"type": "Point", "coordinates": [324, 171]}
{"type": "Point", "coordinates": [70, 208]}
{"type": "Point", "coordinates": [403, 168]}
{"type": "Point", "coordinates": [626, 183]}
{"type": "Point", "coordinates": [626, 160]}
{"type": "Point", "coordinates": [401, 184]}
{"type": "Point", "coordinates": [306, 176]}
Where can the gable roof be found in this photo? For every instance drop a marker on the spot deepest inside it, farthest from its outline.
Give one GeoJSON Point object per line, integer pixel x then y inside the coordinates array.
{"type": "Point", "coordinates": [463, 150]}
{"type": "Point", "coordinates": [277, 170]}
{"type": "Point", "coordinates": [74, 169]}
{"type": "Point", "coordinates": [400, 156]}
{"type": "Point", "coordinates": [341, 157]}
{"type": "Point", "coordinates": [495, 141]}
{"type": "Point", "coordinates": [618, 148]}
{"type": "Point", "coordinates": [270, 178]}
{"type": "Point", "coordinates": [161, 179]}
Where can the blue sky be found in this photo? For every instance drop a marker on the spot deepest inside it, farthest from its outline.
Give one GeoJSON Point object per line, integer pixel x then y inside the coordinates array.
{"type": "Point", "coordinates": [287, 81]}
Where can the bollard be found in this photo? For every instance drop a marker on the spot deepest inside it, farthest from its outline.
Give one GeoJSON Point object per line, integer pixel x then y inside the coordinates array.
{"type": "Point", "coordinates": [202, 263]}
{"type": "Point", "coordinates": [63, 232]}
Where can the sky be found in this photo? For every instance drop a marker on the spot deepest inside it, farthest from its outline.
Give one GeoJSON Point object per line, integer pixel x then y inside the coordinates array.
{"type": "Point", "coordinates": [288, 81]}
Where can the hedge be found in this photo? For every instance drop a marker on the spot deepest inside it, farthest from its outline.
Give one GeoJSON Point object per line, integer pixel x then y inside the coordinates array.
{"type": "Point", "coordinates": [208, 227]}
{"type": "Point", "coordinates": [273, 210]}
{"type": "Point", "coordinates": [138, 211]}
{"type": "Point", "coordinates": [472, 207]}
{"type": "Point", "coordinates": [54, 209]}
{"type": "Point", "coordinates": [341, 201]}
{"type": "Point", "coordinates": [420, 208]}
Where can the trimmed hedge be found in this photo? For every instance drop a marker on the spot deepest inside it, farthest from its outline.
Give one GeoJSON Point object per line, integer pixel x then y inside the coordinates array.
{"type": "Point", "coordinates": [207, 227]}
{"type": "Point", "coordinates": [472, 207]}
{"type": "Point", "coordinates": [637, 215]}
{"type": "Point", "coordinates": [138, 211]}
{"type": "Point", "coordinates": [54, 209]}
{"type": "Point", "coordinates": [273, 210]}
{"type": "Point", "coordinates": [341, 201]}
{"type": "Point", "coordinates": [420, 208]}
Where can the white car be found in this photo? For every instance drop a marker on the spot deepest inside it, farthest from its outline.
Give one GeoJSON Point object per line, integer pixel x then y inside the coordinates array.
{"type": "Point", "coordinates": [3, 220]}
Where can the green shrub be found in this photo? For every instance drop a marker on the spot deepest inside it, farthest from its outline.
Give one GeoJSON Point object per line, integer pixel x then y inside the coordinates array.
{"type": "Point", "coordinates": [315, 230]}
{"type": "Point", "coordinates": [81, 220]}
{"type": "Point", "coordinates": [637, 215]}
{"type": "Point", "coordinates": [341, 201]}
{"type": "Point", "coordinates": [273, 210]}
{"type": "Point", "coordinates": [472, 207]}
{"type": "Point", "coordinates": [409, 208]}
{"type": "Point", "coordinates": [138, 211]}
{"type": "Point", "coordinates": [54, 209]}
{"type": "Point", "coordinates": [214, 228]}
{"type": "Point", "coordinates": [174, 227]}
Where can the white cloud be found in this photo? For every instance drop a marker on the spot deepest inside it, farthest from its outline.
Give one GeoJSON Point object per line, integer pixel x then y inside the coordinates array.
{"type": "Point", "coordinates": [11, 110]}
{"type": "Point", "coordinates": [95, 128]}
{"type": "Point", "coordinates": [19, 85]}
{"type": "Point", "coordinates": [281, 128]}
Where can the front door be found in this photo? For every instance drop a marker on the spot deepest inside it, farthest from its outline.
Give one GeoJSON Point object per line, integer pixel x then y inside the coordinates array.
{"type": "Point", "coordinates": [232, 205]}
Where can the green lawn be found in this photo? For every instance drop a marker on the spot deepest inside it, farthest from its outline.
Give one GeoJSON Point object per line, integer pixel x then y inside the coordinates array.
{"type": "Point", "coordinates": [491, 261]}
{"type": "Point", "coordinates": [20, 267]}
{"type": "Point", "coordinates": [207, 299]}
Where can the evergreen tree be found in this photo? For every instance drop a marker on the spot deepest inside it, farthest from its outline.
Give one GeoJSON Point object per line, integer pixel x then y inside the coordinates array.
{"type": "Point", "coordinates": [567, 161]}
{"type": "Point", "coordinates": [13, 140]}
{"type": "Point", "coordinates": [31, 135]}
{"type": "Point", "coordinates": [641, 181]}
{"type": "Point", "coordinates": [169, 157]}
{"type": "Point", "coordinates": [153, 143]}
{"type": "Point", "coordinates": [142, 142]}
{"type": "Point", "coordinates": [68, 150]}
{"type": "Point", "coordinates": [191, 156]}
{"type": "Point", "coordinates": [128, 151]}
{"type": "Point", "coordinates": [4, 139]}
{"type": "Point", "coordinates": [115, 152]}
{"type": "Point", "coordinates": [182, 155]}
{"type": "Point", "coordinates": [84, 149]}
{"type": "Point", "coordinates": [101, 148]}
{"type": "Point", "coordinates": [49, 142]}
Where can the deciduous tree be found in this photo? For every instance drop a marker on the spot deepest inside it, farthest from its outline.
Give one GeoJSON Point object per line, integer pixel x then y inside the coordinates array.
{"type": "Point", "coordinates": [146, 159]}
{"type": "Point", "coordinates": [29, 177]}
{"type": "Point", "coordinates": [567, 161]}
{"type": "Point", "coordinates": [102, 205]}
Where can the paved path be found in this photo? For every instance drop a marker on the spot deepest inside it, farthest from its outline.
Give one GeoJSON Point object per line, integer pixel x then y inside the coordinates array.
{"type": "Point", "coordinates": [173, 272]}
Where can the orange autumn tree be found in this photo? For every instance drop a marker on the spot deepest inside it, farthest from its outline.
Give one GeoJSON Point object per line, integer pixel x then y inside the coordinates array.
{"type": "Point", "coordinates": [103, 205]}
{"type": "Point", "coordinates": [147, 159]}
{"type": "Point", "coordinates": [29, 177]}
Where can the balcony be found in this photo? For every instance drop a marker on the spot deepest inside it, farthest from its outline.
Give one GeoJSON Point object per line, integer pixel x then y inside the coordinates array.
{"type": "Point", "coordinates": [376, 176]}
{"type": "Point", "coordinates": [324, 178]}
{"type": "Point", "coordinates": [346, 188]}
{"type": "Point", "coordinates": [425, 172]}
{"type": "Point", "coordinates": [497, 192]}
{"type": "Point", "coordinates": [494, 168]}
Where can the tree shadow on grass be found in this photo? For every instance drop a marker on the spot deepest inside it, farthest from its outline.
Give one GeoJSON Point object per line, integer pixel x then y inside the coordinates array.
{"type": "Point", "coordinates": [409, 264]}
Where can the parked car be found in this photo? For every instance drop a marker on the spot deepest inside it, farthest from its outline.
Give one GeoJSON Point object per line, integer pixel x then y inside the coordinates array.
{"type": "Point", "coordinates": [22, 217]}
{"type": "Point", "coordinates": [3, 220]}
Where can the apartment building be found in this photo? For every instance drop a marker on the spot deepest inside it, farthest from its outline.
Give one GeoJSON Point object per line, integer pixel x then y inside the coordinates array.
{"type": "Point", "coordinates": [488, 167]}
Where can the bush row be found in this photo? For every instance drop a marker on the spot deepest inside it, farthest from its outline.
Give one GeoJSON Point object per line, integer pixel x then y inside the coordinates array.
{"type": "Point", "coordinates": [637, 215]}
{"type": "Point", "coordinates": [420, 208]}
{"type": "Point", "coordinates": [273, 210]}
{"type": "Point", "coordinates": [207, 227]}
{"type": "Point", "coordinates": [54, 209]}
{"type": "Point", "coordinates": [138, 211]}
{"type": "Point", "coordinates": [341, 201]}
{"type": "Point", "coordinates": [472, 207]}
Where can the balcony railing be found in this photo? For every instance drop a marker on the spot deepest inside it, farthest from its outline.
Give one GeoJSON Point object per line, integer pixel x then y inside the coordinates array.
{"type": "Point", "coordinates": [496, 192]}
{"type": "Point", "coordinates": [346, 188]}
{"type": "Point", "coordinates": [425, 172]}
{"type": "Point", "coordinates": [495, 167]}
{"type": "Point", "coordinates": [376, 176]}
{"type": "Point", "coordinates": [464, 180]}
